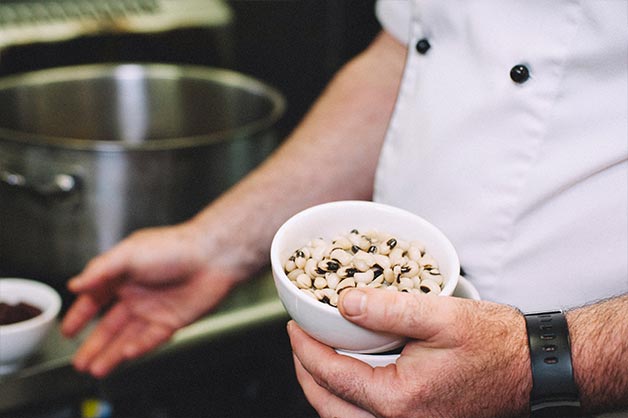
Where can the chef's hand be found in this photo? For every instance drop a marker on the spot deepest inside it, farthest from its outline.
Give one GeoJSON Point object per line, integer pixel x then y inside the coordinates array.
{"type": "Point", "coordinates": [465, 359]}
{"type": "Point", "coordinates": [151, 284]}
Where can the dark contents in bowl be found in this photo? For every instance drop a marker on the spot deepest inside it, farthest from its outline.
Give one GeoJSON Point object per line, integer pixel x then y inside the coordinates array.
{"type": "Point", "coordinates": [22, 311]}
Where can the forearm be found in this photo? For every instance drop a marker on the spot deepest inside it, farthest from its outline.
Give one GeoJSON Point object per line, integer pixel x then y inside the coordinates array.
{"type": "Point", "coordinates": [599, 340]}
{"type": "Point", "coordinates": [331, 155]}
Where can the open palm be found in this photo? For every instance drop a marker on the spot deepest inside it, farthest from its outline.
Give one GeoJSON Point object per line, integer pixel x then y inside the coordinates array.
{"type": "Point", "coordinates": [151, 284]}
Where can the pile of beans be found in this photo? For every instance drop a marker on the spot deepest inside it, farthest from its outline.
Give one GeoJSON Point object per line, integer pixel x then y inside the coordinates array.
{"type": "Point", "coordinates": [373, 259]}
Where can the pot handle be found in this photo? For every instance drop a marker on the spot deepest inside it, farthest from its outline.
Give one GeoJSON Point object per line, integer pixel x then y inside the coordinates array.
{"type": "Point", "coordinates": [61, 185]}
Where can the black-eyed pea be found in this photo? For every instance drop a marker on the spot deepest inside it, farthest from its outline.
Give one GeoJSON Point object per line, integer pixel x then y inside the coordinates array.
{"type": "Point", "coordinates": [383, 248]}
{"type": "Point", "coordinates": [326, 265]}
{"type": "Point", "coordinates": [346, 271]}
{"type": "Point", "coordinates": [304, 281]}
{"type": "Point", "coordinates": [396, 256]}
{"type": "Point", "coordinates": [364, 277]}
{"type": "Point", "coordinates": [345, 283]}
{"type": "Point", "coordinates": [405, 283]}
{"type": "Point", "coordinates": [429, 287]}
{"type": "Point", "coordinates": [360, 285]}
{"type": "Point", "coordinates": [332, 280]}
{"type": "Point", "coordinates": [363, 260]}
{"type": "Point", "coordinates": [377, 282]}
{"type": "Point", "coordinates": [355, 239]}
{"type": "Point", "coordinates": [366, 244]}
{"type": "Point", "coordinates": [316, 243]}
{"type": "Point", "coordinates": [328, 249]}
{"type": "Point", "coordinates": [371, 234]}
{"type": "Point", "coordinates": [428, 262]}
{"type": "Point", "coordinates": [318, 253]}
{"type": "Point", "coordinates": [392, 288]}
{"type": "Point", "coordinates": [427, 275]}
{"type": "Point", "coordinates": [305, 251]}
{"type": "Point", "coordinates": [309, 292]}
{"type": "Point", "coordinates": [320, 282]}
{"type": "Point", "coordinates": [382, 261]}
{"type": "Point", "coordinates": [396, 270]}
{"type": "Point", "coordinates": [343, 243]}
{"type": "Point", "coordinates": [404, 245]}
{"type": "Point", "coordinates": [410, 269]}
{"type": "Point", "coordinates": [343, 257]}
{"type": "Point", "coordinates": [416, 282]}
{"type": "Point", "coordinates": [438, 279]}
{"type": "Point", "coordinates": [300, 262]}
{"type": "Point", "coordinates": [414, 253]}
{"type": "Point", "coordinates": [311, 267]}
{"type": "Point", "coordinates": [290, 265]}
{"type": "Point", "coordinates": [295, 273]}
{"type": "Point", "coordinates": [330, 296]}
{"type": "Point", "coordinates": [361, 265]}
{"type": "Point", "coordinates": [389, 275]}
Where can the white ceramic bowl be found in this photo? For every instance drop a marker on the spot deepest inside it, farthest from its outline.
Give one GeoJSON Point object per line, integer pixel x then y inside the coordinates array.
{"type": "Point", "coordinates": [18, 341]}
{"type": "Point", "coordinates": [324, 322]}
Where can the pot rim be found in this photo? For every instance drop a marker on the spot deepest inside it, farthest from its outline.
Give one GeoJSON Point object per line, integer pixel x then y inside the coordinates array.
{"type": "Point", "coordinates": [132, 69]}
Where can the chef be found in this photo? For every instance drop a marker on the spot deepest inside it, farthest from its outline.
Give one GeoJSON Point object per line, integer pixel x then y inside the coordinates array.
{"type": "Point", "coordinates": [502, 122]}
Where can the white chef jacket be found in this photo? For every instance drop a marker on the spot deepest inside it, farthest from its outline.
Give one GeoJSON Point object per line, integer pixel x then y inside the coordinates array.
{"type": "Point", "coordinates": [528, 179]}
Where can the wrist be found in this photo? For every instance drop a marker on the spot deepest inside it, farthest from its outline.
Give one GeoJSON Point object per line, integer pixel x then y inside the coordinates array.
{"type": "Point", "coordinates": [226, 241]}
{"type": "Point", "coordinates": [600, 354]}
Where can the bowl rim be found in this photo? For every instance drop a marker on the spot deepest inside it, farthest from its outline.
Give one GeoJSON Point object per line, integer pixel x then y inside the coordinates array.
{"type": "Point", "coordinates": [47, 314]}
{"type": "Point", "coordinates": [277, 265]}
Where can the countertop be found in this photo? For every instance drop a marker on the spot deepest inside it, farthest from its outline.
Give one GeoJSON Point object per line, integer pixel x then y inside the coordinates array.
{"type": "Point", "coordinates": [49, 376]}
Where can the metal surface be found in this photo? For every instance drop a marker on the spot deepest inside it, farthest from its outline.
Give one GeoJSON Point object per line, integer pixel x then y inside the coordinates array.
{"type": "Point", "coordinates": [89, 154]}
{"type": "Point", "coordinates": [27, 21]}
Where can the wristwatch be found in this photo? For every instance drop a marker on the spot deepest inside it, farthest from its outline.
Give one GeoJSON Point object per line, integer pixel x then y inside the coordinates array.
{"type": "Point", "coordinates": [554, 391]}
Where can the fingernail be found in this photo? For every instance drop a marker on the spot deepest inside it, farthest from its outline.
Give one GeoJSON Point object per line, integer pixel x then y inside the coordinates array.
{"type": "Point", "coordinates": [354, 302]}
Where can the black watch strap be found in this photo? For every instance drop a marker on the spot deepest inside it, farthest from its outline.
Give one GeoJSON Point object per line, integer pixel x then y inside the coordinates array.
{"type": "Point", "coordinates": [554, 390]}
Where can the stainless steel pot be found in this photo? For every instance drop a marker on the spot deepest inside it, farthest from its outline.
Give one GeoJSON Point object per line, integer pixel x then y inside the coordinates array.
{"type": "Point", "coordinates": [90, 153]}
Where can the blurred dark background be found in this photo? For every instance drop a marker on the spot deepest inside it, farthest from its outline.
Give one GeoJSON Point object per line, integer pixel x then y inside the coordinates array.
{"type": "Point", "coordinates": [295, 46]}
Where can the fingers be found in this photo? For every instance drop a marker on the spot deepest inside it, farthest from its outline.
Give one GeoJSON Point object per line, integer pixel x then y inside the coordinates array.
{"type": "Point", "coordinates": [102, 269]}
{"type": "Point", "coordinates": [411, 315]}
{"type": "Point", "coordinates": [342, 376]}
{"type": "Point", "coordinates": [325, 403]}
{"type": "Point", "coordinates": [152, 336]}
{"type": "Point", "coordinates": [119, 337]}
{"type": "Point", "coordinates": [82, 311]}
{"type": "Point", "coordinates": [112, 354]}
{"type": "Point", "coordinates": [102, 335]}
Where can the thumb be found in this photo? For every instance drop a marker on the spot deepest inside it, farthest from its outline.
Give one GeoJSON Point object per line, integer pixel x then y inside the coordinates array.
{"type": "Point", "coordinates": [411, 315]}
